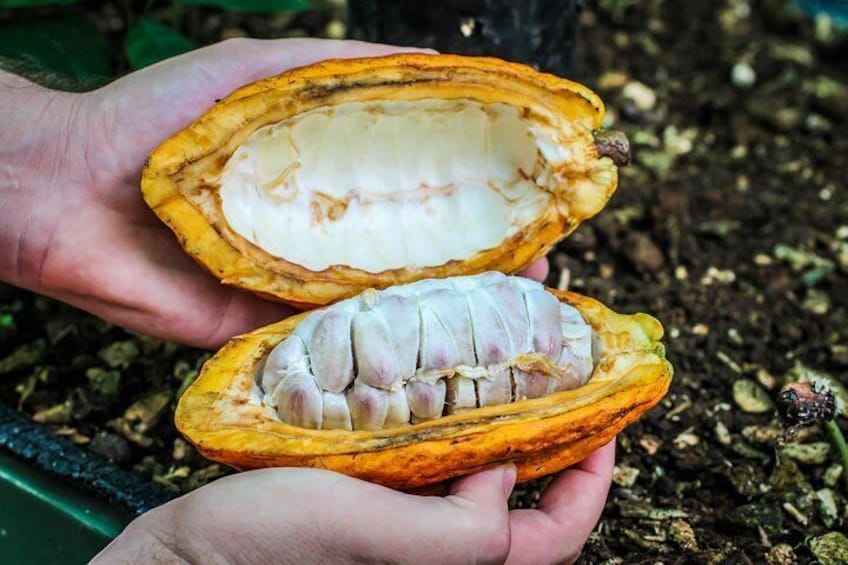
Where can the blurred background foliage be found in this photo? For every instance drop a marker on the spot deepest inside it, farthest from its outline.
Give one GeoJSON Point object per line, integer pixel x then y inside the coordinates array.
{"type": "Point", "coordinates": [81, 45]}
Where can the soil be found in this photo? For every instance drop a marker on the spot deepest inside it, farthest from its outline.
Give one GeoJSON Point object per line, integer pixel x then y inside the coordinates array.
{"type": "Point", "coordinates": [731, 227]}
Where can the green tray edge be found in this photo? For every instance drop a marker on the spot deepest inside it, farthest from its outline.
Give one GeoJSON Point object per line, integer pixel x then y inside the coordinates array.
{"type": "Point", "coordinates": [45, 520]}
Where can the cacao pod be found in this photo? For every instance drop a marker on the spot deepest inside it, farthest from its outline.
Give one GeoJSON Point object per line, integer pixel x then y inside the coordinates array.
{"type": "Point", "coordinates": [319, 389]}
{"type": "Point", "coordinates": [316, 184]}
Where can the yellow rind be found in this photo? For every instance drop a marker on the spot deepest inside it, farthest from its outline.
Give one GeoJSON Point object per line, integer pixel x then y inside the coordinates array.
{"type": "Point", "coordinates": [540, 436]}
{"type": "Point", "coordinates": [192, 158]}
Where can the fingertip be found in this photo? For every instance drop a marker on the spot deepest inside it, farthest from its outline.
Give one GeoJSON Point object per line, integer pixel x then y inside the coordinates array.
{"type": "Point", "coordinates": [601, 461]}
{"type": "Point", "coordinates": [357, 48]}
{"type": "Point", "coordinates": [484, 484]}
{"type": "Point", "coordinates": [398, 48]}
{"type": "Point", "coordinates": [241, 313]}
{"type": "Point", "coordinates": [585, 484]}
{"type": "Point", "coordinates": [538, 270]}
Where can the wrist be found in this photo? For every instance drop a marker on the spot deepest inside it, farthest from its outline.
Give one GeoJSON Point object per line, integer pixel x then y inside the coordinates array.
{"type": "Point", "coordinates": [37, 145]}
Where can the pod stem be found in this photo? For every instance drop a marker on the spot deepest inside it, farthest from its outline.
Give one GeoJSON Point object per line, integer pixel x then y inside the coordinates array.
{"type": "Point", "coordinates": [615, 145]}
{"type": "Point", "coordinates": [842, 447]}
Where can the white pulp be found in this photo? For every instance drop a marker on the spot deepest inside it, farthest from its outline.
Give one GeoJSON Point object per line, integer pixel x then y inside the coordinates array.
{"type": "Point", "coordinates": [384, 185]}
{"type": "Point", "coordinates": [419, 351]}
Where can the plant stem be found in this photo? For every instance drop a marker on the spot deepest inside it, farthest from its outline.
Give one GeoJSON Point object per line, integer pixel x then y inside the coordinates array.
{"type": "Point", "coordinates": [841, 446]}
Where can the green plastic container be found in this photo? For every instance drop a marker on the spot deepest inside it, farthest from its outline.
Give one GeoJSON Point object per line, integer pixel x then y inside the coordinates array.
{"type": "Point", "coordinates": [43, 520]}
{"type": "Point", "coordinates": [59, 503]}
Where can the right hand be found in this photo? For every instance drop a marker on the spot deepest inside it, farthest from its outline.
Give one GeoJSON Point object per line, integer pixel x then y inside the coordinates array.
{"type": "Point", "coordinates": [313, 516]}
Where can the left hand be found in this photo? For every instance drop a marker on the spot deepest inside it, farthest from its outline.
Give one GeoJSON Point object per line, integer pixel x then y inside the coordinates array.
{"type": "Point", "coordinates": [75, 224]}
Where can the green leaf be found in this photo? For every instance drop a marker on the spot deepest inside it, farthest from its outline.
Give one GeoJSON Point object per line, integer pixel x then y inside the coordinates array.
{"type": "Point", "coordinates": [254, 5]}
{"type": "Point", "coordinates": [149, 41]}
{"type": "Point", "coordinates": [70, 47]}
{"type": "Point", "coordinates": [7, 321]}
{"type": "Point", "coordinates": [27, 3]}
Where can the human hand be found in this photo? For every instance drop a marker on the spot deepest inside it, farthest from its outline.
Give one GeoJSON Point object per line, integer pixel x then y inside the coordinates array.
{"type": "Point", "coordinates": [315, 516]}
{"type": "Point", "coordinates": [77, 226]}
{"type": "Point", "coordinates": [79, 230]}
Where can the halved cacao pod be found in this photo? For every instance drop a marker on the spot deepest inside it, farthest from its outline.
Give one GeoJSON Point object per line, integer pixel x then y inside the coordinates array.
{"type": "Point", "coordinates": [316, 184]}
{"type": "Point", "coordinates": [226, 416]}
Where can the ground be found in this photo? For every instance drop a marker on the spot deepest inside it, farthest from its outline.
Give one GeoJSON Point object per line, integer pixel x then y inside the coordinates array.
{"type": "Point", "coordinates": [731, 227]}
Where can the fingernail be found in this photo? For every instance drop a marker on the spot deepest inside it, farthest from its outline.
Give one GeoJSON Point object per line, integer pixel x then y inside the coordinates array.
{"type": "Point", "coordinates": [510, 473]}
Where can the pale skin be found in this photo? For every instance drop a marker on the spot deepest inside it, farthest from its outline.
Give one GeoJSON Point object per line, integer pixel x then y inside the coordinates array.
{"type": "Point", "coordinates": [74, 227]}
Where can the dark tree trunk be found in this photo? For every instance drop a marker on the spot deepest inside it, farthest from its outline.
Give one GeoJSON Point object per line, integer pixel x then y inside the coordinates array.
{"type": "Point", "coordinates": [542, 33]}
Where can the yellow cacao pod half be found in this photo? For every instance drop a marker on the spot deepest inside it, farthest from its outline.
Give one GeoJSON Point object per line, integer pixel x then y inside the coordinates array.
{"type": "Point", "coordinates": [420, 383]}
{"type": "Point", "coordinates": [316, 184]}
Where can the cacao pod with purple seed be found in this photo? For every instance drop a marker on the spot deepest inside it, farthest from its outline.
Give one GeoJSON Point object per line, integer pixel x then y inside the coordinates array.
{"type": "Point", "coordinates": [429, 381]}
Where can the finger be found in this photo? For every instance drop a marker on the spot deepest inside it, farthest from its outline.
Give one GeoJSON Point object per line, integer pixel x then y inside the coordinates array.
{"type": "Point", "coordinates": [227, 65]}
{"type": "Point", "coordinates": [238, 314]}
{"type": "Point", "coordinates": [484, 497]}
{"type": "Point", "coordinates": [567, 512]}
{"type": "Point", "coordinates": [276, 55]}
{"type": "Point", "coordinates": [581, 489]}
{"type": "Point", "coordinates": [538, 270]}
{"type": "Point", "coordinates": [156, 289]}
{"type": "Point", "coordinates": [471, 525]}
{"type": "Point", "coordinates": [244, 312]}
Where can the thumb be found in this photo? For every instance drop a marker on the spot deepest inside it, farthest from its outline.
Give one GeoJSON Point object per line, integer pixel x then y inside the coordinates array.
{"type": "Point", "coordinates": [486, 485]}
{"type": "Point", "coordinates": [166, 97]}
{"type": "Point", "coordinates": [484, 498]}
{"type": "Point", "coordinates": [227, 65]}
{"type": "Point", "coordinates": [189, 83]}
